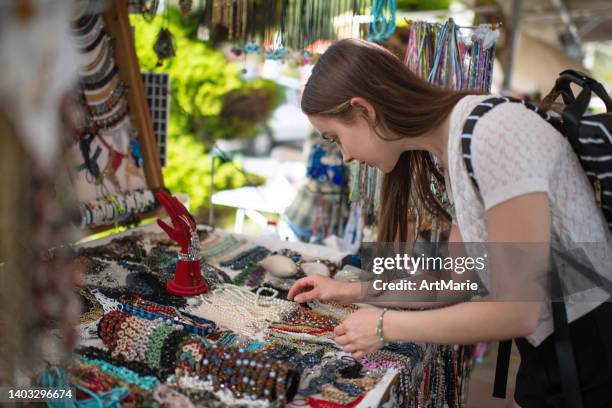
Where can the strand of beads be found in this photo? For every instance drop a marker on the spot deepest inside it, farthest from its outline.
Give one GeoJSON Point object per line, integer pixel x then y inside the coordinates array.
{"type": "Point", "coordinates": [333, 309]}
{"type": "Point", "coordinates": [303, 346]}
{"type": "Point", "coordinates": [181, 320]}
{"type": "Point", "coordinates": [252, 276]}
{"type": "Point", "coordinates": [241, 311]}
{"type": "Point", "coordinates": [383, 359]}
{"type": "Point", "coordinates": [200, 393]}
{"type": "Point", "coordinates": [321, 338]}
{"type": "Point", "coordinates": [298, 328]}
{"type": "Point", "coordinates": [213, 275]}
{"type": "Point", "coordinates": [94, 353]}
{"type": "Point", "coordinates": [246, 258]}
{"type": "Point", "coordinates": [94, 379]}
{"type": "Point", "coordinates": [125, 374]}
{"type": "Point", "coordinates": [309, 318]}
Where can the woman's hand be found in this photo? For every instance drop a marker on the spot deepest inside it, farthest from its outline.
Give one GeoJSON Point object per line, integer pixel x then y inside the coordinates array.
{"type": "Point", "coordinates": [357, 334]}
{"type": "Point", "coordinates": [319, 287]}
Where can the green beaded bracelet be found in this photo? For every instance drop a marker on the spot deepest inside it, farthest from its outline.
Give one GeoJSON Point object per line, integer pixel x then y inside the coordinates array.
{"type": "Point", "coordinates": [380, 327]}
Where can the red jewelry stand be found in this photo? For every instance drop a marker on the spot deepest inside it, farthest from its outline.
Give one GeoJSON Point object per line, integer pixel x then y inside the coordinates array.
{"type": "Point", "coordinates": [187, 279]}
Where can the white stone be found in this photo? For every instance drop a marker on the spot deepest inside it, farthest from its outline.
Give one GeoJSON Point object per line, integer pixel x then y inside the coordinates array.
{"type": "Point", "coordinates": [315, 268]}
{"type": "Point", "coordinates": [279, 266]}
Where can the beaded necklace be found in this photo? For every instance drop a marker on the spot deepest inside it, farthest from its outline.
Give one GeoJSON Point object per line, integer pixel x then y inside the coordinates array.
{"type": "Point", "coordinates": [124, 374]}
{"type": "Point", "coordinates": [383, 359]}
{"type": "Point", "coordinates": [105, 47]}
{"type": "Point", "coordinates": [242, 311]}
{"type": "Point", "coordinates": [87, 38]}
{"type": "Point", "coordinates": [252, 275]}
{"type": "Point", "coordinates": [93, 308]}
{"type": "Point", "coordinates": [95, 353]}
{"type": "Point", "coordinates": [99, 72]}
{"type": "Point", "coordinates": [108, 105]}
{"type": "Point", "coordinates": [333, 309]}
{"type": "Point", "coordinates": [304, 317]}
{"type": "Point", "coordinates": [245, 258]}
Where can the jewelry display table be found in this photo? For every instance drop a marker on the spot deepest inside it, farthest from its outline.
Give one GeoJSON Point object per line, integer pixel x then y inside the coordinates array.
{"type": "Point", "coordinates": [129, 318]}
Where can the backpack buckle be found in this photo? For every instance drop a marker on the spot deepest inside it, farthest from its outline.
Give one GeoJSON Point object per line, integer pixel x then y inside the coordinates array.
{"type": "Point", "coordinates": [597, 186]}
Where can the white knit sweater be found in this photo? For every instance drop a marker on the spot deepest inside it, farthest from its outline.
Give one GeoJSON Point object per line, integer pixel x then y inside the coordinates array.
{"type": "Point", "coordinates": [515, 152]}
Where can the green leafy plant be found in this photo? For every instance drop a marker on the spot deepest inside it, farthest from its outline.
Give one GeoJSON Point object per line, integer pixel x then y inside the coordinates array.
{"type": "Point", "coordinates": [209, 101]}
{"type": "Point", "coordinates": [420, 5]}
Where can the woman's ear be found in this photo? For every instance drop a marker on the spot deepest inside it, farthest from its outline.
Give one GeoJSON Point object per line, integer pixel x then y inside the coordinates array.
{"type": "Point", "coordinates": [364, 107]}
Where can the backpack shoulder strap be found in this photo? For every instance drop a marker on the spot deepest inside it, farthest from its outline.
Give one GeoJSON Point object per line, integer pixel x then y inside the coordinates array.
{"type": "Point", "coordinates": [478, 112]}
{"type": "Point", "coordinates": [563, 346]}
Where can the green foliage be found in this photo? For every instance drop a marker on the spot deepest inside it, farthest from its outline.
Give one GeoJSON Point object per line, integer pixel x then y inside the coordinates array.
{"type": "Point", "coordinates": [201, 78]}
{"type": "Point", "coordinates": [201, 111]}
{"type": "Point", "coordinates": [419, 5]}
{"type": "Point", "coordinates": [188, 171]}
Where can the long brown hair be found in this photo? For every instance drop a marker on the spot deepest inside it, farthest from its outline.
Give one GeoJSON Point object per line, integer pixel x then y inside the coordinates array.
{"type": "Point", "coordinates": [405, 105]}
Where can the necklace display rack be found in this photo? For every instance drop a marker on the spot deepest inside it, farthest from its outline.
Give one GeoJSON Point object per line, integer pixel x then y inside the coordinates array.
{"type": "Point", "coordinates": [114, 161]}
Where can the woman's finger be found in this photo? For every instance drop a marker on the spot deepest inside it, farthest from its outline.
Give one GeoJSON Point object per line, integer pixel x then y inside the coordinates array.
{"type": "Point", "coordinates": [306, 296]}
{"type": "Point", "coordinates": [299, 286]}
{"type": "Point", "coordinates": [350, 348]}
{"type": "Point", "coordinates": [342, 340]}
{"type": "Point", "coordinates": [339, 330]}
{"type": "Point", "coordinates": [357, 355]}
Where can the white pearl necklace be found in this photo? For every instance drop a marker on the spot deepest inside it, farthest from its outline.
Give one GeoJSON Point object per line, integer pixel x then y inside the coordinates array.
{"type": "Point", "coordinates": [239, 310]}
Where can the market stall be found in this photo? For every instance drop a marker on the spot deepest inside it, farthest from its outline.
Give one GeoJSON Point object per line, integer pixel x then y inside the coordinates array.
{"type": "Point", "coordinates": [136, 335]}
{"type": "Point", "coordinates": [187, 315]}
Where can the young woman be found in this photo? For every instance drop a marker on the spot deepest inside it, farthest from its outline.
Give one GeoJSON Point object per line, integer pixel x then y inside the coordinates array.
{"type": "Point", "coordinates": [531, 190]}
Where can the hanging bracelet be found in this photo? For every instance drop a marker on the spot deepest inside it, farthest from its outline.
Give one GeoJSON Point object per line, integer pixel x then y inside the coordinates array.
{"type": "Point", "coordinates": [380, 327]}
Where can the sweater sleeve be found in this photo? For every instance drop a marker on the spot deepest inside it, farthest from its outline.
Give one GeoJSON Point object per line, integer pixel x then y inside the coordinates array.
{"type": "Point", "coordinates": [514, 152]}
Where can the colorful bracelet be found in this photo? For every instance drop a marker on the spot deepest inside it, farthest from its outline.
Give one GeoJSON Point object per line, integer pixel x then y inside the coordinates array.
{"type": "Point", "coordinates": [379, 330]}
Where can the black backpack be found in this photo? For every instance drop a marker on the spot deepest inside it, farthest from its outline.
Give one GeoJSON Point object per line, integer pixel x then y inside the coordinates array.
{"type": "Point", "coordinates": [591, 140]}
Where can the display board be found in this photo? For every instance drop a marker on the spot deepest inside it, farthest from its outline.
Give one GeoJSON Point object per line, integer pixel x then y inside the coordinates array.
{"type": "Point", "coordinates": [157, 87]}
{"type": "Point", "coordinates": [114, 162]}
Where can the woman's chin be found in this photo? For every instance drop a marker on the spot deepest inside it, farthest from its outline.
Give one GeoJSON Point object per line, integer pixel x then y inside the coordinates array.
{"type": "Point", "coordinates": [384, 168]}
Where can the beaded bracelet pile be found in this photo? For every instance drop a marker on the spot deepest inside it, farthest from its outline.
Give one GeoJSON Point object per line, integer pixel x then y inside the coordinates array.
{"type": "Point", "coordinates": [94, 379]}
{"type": "Point", "coordinates": [122, 373]}
{"type": "Point", "coordinates": [116, 207]}
{"type": "Point", "coordinates": [94, 353]}
{"type": "Point", "coordinates": [251, 375]}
